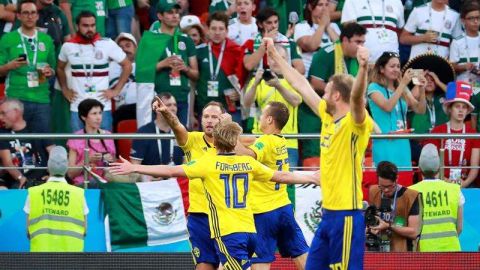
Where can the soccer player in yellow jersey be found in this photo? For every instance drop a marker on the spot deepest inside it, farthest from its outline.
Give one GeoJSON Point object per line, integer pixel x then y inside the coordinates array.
{"type": "Point", "coordinates": [227, 179]}
{"type": "Point", "coordinates": [195, 145]}
{"type": "Point", "coordinates": [273, 211]}
{"type": "Point", "coordinates": [339, 241]}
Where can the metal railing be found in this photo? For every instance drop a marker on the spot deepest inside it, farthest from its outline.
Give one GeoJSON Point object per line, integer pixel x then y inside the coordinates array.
{"type": "Point", "coordinates": [136, 136]}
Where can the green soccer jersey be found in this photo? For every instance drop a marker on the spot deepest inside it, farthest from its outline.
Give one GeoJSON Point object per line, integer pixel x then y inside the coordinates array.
{"type": "Point", "coordinates": [323, 64]}
{"type": "Point", "coordinates": [433, 116]}
{"type": "Point", "coordinates": [185, 48]}
{"type": "Point", "coordinates": [115, 4]}
{"type": "Point", "coordinates": [17, 83]}
{"type": "Point", "coordinates": [202, 97]}
{"type": "Point", "coordinates": [98, 7]}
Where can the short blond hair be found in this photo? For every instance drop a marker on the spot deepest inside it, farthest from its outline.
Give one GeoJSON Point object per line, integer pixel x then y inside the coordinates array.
{"type": "Point", "coordinates": [225, 135]}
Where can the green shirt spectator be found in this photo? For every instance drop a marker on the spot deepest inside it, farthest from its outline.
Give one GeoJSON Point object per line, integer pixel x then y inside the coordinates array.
{"type": "Point", "coordinates": [39, 50]}
{"type": "Point", "coordinates": [73, 7]}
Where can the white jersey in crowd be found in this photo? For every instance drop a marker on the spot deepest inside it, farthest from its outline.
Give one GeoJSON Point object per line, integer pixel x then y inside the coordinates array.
{"type": "Point", "coordinates": [89, 65]}
{"type": "Point", "coordinates": [129, 91]}
{"type": "Point", "coordinates": [382, 18]}
{"type": "Point", "coordinates": [466, 49]}
{"type": "Point", "coordinates": [240, 32]}
{"type": "Point", "coordinates": [446, 23]}
{"type": "Point", "coordinates": [305, 29]}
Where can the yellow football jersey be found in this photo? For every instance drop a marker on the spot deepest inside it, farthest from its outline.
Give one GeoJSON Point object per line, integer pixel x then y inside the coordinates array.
{"type": "Point", "coordinates": [195, 147]}
{"type": "Point", "coordinates": [342, 148]}
{"type": "Point", "coordinates": [227, 179]}
{"type": "Point", "coordinates": [265, 94]}
{"type": "Point", "coordinates": [272, 152]}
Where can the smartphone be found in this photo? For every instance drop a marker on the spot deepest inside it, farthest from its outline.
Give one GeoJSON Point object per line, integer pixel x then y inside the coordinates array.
{"type": "Point", "coordinates": [22, 56]}
{"type": "Point", "coordinates": [416, 74]}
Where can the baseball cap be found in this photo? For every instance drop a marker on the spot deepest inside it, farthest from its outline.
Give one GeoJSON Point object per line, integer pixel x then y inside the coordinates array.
{"type": "Point", "coordinates": [58, 161]}
{"type": "Point", "coordinates": [128, 36]}
{"type": "Point", "coordinates": [429, 160]}
{"type": "Point", "coordinates": [167, 5]}
{"type": "Point", "coordinates": [189, 20]}
{"type": "Point", "coordinates": [458, 92]}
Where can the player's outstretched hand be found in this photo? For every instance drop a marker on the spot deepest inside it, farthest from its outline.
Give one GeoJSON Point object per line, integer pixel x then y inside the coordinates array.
{"type": "Point", "coordinates": [362, 56]}
{"type": "Point", "coordinates": [120, 168]}
{"type": "Point", "coordinates": [158, 105]}
{"type": "Point", "coordinates": [316, 178]}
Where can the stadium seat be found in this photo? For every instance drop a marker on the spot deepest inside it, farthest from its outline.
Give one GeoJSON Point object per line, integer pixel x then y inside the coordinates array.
{"type": "Point", "coordinates": [124, 145]}
{"type": "Point", "coordinates": [311, 164]}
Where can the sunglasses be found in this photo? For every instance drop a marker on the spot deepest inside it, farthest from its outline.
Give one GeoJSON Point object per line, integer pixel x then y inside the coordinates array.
{"type": "Point", "coordinates": [391, 54]}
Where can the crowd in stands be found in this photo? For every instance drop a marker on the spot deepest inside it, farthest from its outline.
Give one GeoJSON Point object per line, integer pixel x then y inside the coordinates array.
{"type": "Point", "coordinates": [84, 67]}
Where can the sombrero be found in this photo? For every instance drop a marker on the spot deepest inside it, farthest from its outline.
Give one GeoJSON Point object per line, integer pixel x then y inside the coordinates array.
{"type": "Point", "coordinates": [432, 62]}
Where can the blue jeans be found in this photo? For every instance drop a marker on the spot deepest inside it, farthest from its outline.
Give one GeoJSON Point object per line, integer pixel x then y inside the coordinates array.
{"type": "Point", "coordinates": [119, 20]}
{"type": "Point", "coordinates": [77, 124]}
{"type": "Point", "coordinates": [37, 116]}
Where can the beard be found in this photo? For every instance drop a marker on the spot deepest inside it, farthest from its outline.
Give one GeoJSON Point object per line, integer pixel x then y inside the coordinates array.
{"type": "Point", "coordinates": [330, 108]}
{"type": "Point", "coordinates": [88, 35]}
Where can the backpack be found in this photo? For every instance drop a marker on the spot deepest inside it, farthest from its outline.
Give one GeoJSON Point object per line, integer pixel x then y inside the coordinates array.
{"type": "Point", "coordinates": [50, 22]}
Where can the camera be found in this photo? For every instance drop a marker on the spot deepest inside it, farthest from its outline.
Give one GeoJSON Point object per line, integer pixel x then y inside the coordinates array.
{"type": "Point", "coordinates": [376, 242]}
{"type": "Point", "coordinates": [371, 216]}
{"type": "Point", "coordinates": [267, 75]}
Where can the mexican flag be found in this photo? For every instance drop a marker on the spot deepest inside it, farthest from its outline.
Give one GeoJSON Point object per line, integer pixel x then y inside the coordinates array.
{"type": "Point", "coordinates": [144, 214]}
{"type": "Point", "coordinates": [150, 49]}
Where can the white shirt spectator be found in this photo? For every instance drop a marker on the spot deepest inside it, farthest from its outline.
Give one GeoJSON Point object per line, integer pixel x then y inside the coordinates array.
{"type": "Point", "coordinates": [129, 91]}
{"type": "Point", "coordinates": [466, 49]}
{"type": "Point", "coordinates": [382, 18]}
{"type": "Point", "coordinates": [240, 32]}
{"type": "Point", "coordinates": [446, 23]}
{"type": "Point", "coordinates": [89, 65]}
{"type": "Point", "coordinates": [305, 29]}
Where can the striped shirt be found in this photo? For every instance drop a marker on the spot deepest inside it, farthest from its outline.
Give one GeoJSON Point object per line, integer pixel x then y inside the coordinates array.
{"type": "Point", "coordinates": [382, 18]}
{"type": "Point", "coordinates": [446, 23]}
{"type": "Point", "coordinates": [89, 66]}
{"type": "Point", "coordinates": [464, 50]}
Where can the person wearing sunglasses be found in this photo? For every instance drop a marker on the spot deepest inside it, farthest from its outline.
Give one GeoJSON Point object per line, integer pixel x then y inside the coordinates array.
{"type": "Point", "coordinates": [389, 100]}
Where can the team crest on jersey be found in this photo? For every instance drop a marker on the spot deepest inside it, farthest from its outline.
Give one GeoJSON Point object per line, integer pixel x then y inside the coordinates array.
{"type": "Point", "coordinates": [182, 46]}
{"type": "Point", "coordinates": [41, 46]}
{"type": "Point", "coordinates": [448, 24]}
{"type": "Point", "coordinates": [98, 55]}
{"type": "Point", "coordinates": [389, 8]}
{"type": "Point", "coordinates": [196, 252]}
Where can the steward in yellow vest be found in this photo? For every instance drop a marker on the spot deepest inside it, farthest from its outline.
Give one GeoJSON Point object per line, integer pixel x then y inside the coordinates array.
{"type": "Point", "coordinates": [442, 206]}
{"type": "Point", "coordinates": [56, 210]}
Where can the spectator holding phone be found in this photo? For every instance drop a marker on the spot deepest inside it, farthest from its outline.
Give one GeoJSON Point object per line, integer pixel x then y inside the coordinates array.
{"type": "Point", "coordinates": [27, 58]}
{"type": "Point", "coordinates": [101, 151]}
{"type": "Point", "coordinates": [389, 100]}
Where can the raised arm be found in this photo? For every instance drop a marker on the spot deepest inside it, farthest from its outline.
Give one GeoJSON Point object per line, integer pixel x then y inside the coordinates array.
{"type": "Point", "coordinates": [357, 97]}
{"type": "Point", "coordinates": [295, 79]}
{"type": "Point", "coordinates": [181, 133]}
{"type": "Point", "coordinates": [165, 171]}
{"type": "Point", "coordinates": [296, 178]}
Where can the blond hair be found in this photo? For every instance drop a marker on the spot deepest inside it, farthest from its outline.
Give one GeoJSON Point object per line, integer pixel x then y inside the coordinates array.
{"type": "Point", "coordinates": [342, 83]}
{"type": "Point", "coordinates": [225, 135]}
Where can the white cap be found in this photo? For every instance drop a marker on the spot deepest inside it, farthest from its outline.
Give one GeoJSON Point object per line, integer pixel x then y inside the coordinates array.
{"type": "Point", "coordinates": [189, 20]}
{"type": "Point", "coordinates": [58, 161]}
{"type": "Point", "coordinates": [128, 36]}
{"type": "Point", "coordinates": [429, 160]}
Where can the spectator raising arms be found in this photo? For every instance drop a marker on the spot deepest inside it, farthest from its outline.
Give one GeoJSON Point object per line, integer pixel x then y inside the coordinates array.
{"type": "Point", "coordinates": [389, 100]}
{"type": "Point", "coordinates": [316, 31]}
{"type": "Point", "coordinates": [101, 151]}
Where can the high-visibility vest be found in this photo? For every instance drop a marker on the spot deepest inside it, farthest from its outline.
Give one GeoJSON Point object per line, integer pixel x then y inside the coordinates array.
{"type": "Point", "coordinates": [57, 218]}
{"type": "Point", "coordinates": [440, 204]}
